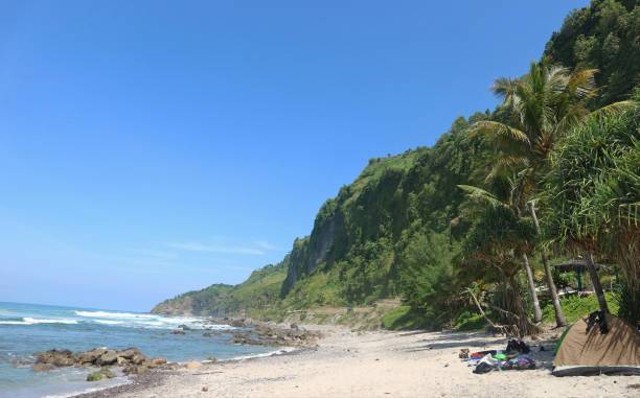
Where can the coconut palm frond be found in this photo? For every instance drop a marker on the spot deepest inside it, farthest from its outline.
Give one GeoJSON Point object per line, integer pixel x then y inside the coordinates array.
{"type": "Point", "coordinates": [497, 129]}
{"type": "Point", "coordinates": [615, 108]}
{"type": "Point", "coordinates": [480, 195]}
{"type": "Point", "coordinates": [582, 83]}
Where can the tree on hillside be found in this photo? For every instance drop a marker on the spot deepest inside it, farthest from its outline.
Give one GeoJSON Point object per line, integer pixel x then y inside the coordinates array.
{"type": "Point", "coordinates": [606, 36]}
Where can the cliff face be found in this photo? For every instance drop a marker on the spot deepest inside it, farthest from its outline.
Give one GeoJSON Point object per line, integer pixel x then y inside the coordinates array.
{"type": "Point", "coordinates": [356, 249]}
{"type": "Point", "coordinates": [309, 253]}
{"type": "Point", "coordinates": [361, 213]}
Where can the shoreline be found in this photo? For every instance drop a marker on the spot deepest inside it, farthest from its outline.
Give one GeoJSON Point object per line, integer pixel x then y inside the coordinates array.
{"type": "Point", "coordinates": [372, 364]}
{"type": "Point", "coordinates": [137, 383]}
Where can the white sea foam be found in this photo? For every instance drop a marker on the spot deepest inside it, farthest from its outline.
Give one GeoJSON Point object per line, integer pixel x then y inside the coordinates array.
{"type": "Point", "coordinates": [108, 322]}
{"type": "Point", "coordinates": [282, 351]}
{"type": "Point", "coordinates": [64, 321]}
{"type": "Point", "coordinates": [118, 315]}
{"type": "Point", "coordinates": [151, 321]}
{"type": "Point", "coordinates": [35, 321]}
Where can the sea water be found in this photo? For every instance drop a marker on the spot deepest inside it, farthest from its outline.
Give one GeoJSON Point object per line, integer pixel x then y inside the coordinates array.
{"type": "Point", "coordinates": [28, 328]}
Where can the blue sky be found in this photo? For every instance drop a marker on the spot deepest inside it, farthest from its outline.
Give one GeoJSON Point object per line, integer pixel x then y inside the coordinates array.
{"type": "Point", "coordinates": [153, 147]}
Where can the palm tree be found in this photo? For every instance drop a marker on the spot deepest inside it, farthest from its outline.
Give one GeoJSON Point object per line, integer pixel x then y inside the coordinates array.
{"type": "Point", "coordinates": [537, 110]}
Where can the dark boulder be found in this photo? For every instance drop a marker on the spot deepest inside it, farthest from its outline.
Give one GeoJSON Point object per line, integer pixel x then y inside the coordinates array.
{"type": "Point", "coordinates": [130, 353]}
{"type": "Point", "coordinates": [108, 358]}
{"type": "Point", "coordinates": [56, 358]}
{"type": "Point", "coordinates": [89, 357]}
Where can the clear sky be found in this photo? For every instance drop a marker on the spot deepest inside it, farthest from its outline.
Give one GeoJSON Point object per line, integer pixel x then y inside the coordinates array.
{"type": "Point", "coordinates": [148, 148]}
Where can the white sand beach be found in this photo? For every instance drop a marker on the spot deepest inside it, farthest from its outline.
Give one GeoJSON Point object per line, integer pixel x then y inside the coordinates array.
{"type": "Point", "coordinates": [379, 364]}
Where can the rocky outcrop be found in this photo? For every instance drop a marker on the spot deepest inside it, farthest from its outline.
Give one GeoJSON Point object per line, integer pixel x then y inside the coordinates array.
{"type": "Point", "coordinates": [131, 360]}
{"type": "Point", "coordinates": [264, 334]}
{"type": "Point", "coordinates": [56, 358]}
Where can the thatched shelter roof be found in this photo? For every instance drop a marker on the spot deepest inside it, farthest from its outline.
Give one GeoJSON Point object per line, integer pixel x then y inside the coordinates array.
{"type": "Point", "coordinates": [577, 264]}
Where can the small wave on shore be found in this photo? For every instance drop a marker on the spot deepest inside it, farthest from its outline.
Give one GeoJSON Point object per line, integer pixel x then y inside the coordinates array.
{"type": "Point", "coordinates": [26, 329]}
{"type": "Point", "coordinates": [35, 321]}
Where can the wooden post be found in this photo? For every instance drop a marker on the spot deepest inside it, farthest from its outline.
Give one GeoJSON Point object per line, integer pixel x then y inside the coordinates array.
{"type": "Point", "coordinates": [595, 280]}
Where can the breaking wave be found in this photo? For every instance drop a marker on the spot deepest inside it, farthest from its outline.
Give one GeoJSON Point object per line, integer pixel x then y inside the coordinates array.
{"type": "Point", "coordinates": [129, 319]}
{"type": "Point", "coordinates": [35, 321]}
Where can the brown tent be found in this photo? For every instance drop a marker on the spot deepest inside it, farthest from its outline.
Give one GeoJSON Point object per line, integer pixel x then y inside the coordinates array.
{"type": "Point", "coordinates": [583, 353]}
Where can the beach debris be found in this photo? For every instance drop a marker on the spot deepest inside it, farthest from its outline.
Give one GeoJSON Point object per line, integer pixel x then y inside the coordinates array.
{"type": "Point", "coordinates": [464, 353]}
{"type": "Point", "coordinates": [205, 389]}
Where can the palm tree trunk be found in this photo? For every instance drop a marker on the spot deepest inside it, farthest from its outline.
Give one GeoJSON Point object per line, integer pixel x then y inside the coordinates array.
{"type": "Point", "coordinates": [537, 312]}
{"type": "Point", "coordinates": [595, 280]}
{"type": "Point", "coordinates": [560, 319]}
{"type": "Point", "coordinates": [515, 306]}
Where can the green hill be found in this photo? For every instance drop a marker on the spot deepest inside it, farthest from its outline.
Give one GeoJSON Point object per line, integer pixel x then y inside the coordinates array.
{"type": "Point", "coordinates": [259, 291]}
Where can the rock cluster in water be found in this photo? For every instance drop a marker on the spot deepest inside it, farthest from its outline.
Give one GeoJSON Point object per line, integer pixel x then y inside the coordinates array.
{"type": "Point", "coordinates": [131, 360]}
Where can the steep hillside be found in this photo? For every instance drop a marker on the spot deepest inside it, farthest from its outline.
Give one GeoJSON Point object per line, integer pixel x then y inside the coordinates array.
{"type": "Point", "coordinates": [395, 231]}
{"type": "Point", "coordinates": [356, 251]}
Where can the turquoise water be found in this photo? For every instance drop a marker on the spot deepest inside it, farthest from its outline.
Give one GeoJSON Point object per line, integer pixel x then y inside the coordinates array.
{"type": "Point", "coordinates": [28, 328]}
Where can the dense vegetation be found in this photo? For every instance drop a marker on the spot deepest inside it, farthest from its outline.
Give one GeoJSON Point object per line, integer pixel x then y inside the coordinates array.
{"type": "Point", "coordinates": [473, 224]}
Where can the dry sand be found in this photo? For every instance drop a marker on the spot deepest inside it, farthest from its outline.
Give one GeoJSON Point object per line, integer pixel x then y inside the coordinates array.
{"type": "Point", "coordinates": [377, 364]}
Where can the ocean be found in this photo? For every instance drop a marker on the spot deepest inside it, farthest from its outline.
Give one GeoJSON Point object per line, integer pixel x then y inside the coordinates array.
{"type": "Point", "coordinates": [28, 328]}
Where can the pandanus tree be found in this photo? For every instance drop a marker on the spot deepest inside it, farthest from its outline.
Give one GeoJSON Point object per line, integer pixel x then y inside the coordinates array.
{"type": "Point", "coordinates": [537, 111]}
{"type": "Point", "coordinates": [494, 246]}
{"type": "Point", "coordinates": [592, 196]}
